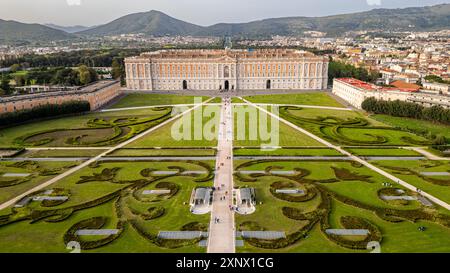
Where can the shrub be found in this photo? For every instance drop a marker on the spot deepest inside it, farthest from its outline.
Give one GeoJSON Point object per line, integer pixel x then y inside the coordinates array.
{"type": "Point", "coordinates": [91, 223]}
{"type": "Point", "coordinates": [195, 226]}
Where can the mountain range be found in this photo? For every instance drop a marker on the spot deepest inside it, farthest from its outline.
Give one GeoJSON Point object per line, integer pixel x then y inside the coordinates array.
{"type": "Point", "coordinates": [69, 29]}
{"type": "Point", "coordinates": [157, 23]}
{"type": "Point", "coordinates": [12, 32]}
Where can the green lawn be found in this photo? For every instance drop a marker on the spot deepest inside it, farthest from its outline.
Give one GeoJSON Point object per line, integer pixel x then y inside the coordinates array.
{"type": "Point", "coordinates": [349, 128]}
{"type": "Point", "coordinates": [9, 135]}
{"type": "Point", "coordinates": [195, 136]}
{"type": "Point", "coordinates": [315, 98]}
{"type": "Point", "coordinates": [36, 177]}
{"type": "Point", "coordinates": [247, 132]}
{"type": "Point", "coordinates": [163, 152]}
{"type": "Point", "coordinates": [414, 124]}
{"type": "Point", "coordinates": [382, 152]}
{"type": "Point", "coordinates": [440, 191]}
{"type": "Point", "coordinates": [61, 153]}
{"type": "Point", "coordinates": [136, 100]}
{"type": "Point", "coordinates": [286, 152]}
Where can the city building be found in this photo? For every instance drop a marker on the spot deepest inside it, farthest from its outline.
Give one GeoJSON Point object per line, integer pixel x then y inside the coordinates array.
{"type": "Point", "coordinates": [355, 92]}
{"type": "Point", "coordinates": [438, 87]}
{"type": "Point", "coordinates": [97, 94]}
{"type": "Point", "coordinates": [227, 70]}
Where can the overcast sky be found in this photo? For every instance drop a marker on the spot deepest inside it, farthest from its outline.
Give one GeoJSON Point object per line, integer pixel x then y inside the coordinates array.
{"type": "Point", "coordinates": [202, 12]}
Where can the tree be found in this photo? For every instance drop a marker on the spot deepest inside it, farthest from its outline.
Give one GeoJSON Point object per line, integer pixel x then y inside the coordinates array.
{"type": "Point", "coordinates": [342, 70]}
{"type": "Point", "coordinates": [87, 75]}
{"type": "Point", "coordinates": [4, 85]}
{"type": "Point", "coordinates": [434, 78]}
{"type": "Point", "coordinates": [20, 80]}
{"type": "Point", "coordinates": [116, 69]}
{"type": "Point", "coordinates": [439, 140]}
{"type": "Point", "coordinates": [399, 108]}
{"type": "Point", "coordinates": [15, 67]}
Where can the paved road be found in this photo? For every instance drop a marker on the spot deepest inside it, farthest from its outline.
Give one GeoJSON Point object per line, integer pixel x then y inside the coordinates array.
{"type": "Point", "coordinates": [86, 163]}
{"type": "Point", "coordinates": [222, 234]}
{"type": "Point", "coordinates": [355, 158]}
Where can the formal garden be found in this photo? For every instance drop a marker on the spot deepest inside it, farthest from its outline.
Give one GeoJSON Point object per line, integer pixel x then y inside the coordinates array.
{"type": "Point", "coordinates": [349, 128]}
{"type": "Point", "coordinates": [112, 195]}
{"type": "Point", "coordinates": [335, 195]}
{"type": "Point", "coordinates": [303, 188]}
{"type": "Point", "coordinates": [94, 129]}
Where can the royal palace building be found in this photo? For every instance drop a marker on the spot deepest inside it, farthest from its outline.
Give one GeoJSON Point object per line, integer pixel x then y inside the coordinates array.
{"type": "Point", "coordinates": [227, 70]}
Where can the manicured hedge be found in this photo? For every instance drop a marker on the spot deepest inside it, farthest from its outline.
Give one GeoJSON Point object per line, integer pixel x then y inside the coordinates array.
{"type": "Point", "coordinates": [44, 111]}
{"type": "Point", "coordinates": [195, 226]}
{"type": "Point", "coordinates": [92, 223]}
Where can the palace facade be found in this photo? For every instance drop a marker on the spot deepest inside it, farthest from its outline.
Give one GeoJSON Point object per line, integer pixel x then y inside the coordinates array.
{"type": "Point", "coordinates": [227, 70]}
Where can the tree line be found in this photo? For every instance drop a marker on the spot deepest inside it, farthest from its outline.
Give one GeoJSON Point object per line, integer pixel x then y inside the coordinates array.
{"type": "Point", "coordinates": [338, 69]}
{"type": "Point", "coordinates": [399, 108]}
{"type": "Point", "coordinates": [90, 58]}
{"type": "Point", "coordinates": [81, 75]}
{"type": "Point", "coordinates": [405, 109]}
{"type": "Point", "coordinates": [43, 111]}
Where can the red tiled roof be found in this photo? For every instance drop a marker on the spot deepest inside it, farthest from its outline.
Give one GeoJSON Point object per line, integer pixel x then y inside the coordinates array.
{"type": "Point", "coordinates": [405, 85]}
{"type": "Point", "coordinates": [372, 87]}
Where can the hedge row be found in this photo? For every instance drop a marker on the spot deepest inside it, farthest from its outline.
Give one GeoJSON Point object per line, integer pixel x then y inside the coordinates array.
{"type": "Point", "coordinates": [153, 213]}
{"type": "Point", "coordinates": [311, 192]}
{"type": "Point", "coordinates": [347, 175]}
{"type": "Point", "coordinates": [166, 243]}
{"type": "Point", "coordinates": [195, 226]}
{"type": "Point", "coordinates": [92, 223]}
{"type": "Point", "coordinates": [44, 111]}
{"type": "Point", "coordinates": [353, 222]}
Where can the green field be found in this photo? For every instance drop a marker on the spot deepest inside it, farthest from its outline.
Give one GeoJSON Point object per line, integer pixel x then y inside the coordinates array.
{"type": "Point", "coordinates": [163, 152]}
{"type": "Point", "coordinates": [139, 100]}
{"type": "Point", "coordinates": [410, 171]}
{"type": "Point", "coordinates": [414, 124]}
{"type": "Point", "coordinates": [60, 153]}
{"type": "Point", "coordinates": [247, 133]}
{"type": "Point", "coordinates": [285, 152]}
{"type": "Point", "coordinates": [349, 128]}
{"type": "Point", "coordinates": [94, 129]}
{"type": "Point", "coordinates": [39, 172]}
{"type": "Point", "coordinates": [315, 98]}
{"type": "Point", "coordinates": [382, 152]}
{"type": "Point", "coordinates": [200, 132]}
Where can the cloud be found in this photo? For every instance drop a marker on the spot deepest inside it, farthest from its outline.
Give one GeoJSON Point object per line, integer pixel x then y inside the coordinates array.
{"type": "Point", "coordinates": [374, 2]}
{"type": "Point", "coordinates": [73, 2]}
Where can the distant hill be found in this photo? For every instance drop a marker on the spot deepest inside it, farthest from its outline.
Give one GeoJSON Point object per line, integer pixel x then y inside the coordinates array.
{"type": "Point", "coordinates": [158, 24]}
{"type": "Point", "coordinates": [152, 22]}
{"type": "Point", "coordinates": [68, 29]}
{"type": "Point", "coordinates": [12, 32]}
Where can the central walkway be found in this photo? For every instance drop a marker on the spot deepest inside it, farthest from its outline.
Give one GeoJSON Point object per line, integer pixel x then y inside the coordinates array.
{"type": "Point", "coordinates": [221, 229]}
